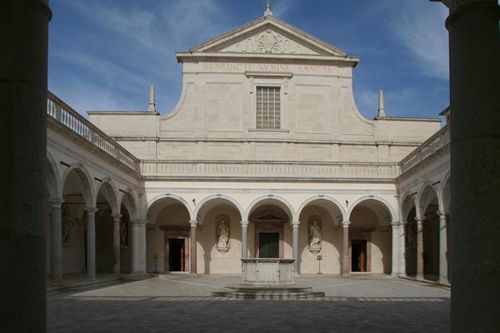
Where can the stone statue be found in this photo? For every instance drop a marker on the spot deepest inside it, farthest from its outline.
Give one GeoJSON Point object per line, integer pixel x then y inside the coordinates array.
{"type": "Point", "coordinates": [67, 224]}
{"type": "Point", "coordinates": [314, 235]}
{"type": "Point", "coordinates": [223, 235]}
{"type": "Point", "coordinates": [123, 233]}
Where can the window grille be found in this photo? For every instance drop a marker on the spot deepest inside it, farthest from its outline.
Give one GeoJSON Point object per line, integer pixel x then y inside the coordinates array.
{"type": "Point", "coordinates": [268, 108]}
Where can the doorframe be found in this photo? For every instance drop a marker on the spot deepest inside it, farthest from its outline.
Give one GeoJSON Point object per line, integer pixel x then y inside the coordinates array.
{"type": "Point", "coordinates": [365, 236]}
{"type": "Point", "coordinates": [176, 233]}
{"type": "Point", "coordinates": [272, 226]}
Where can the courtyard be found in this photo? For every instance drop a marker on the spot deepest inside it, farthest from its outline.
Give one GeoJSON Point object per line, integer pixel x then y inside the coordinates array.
{"type": "Point", "coordinates": [182, 303]}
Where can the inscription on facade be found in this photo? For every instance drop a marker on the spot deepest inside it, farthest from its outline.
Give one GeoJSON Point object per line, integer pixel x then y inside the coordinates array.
{"type": "Point", "coordinates": [241, 68]}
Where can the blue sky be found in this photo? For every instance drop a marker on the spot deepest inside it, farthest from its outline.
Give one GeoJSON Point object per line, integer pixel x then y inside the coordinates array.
{"type": "Point", "coordinates": [104, 54]}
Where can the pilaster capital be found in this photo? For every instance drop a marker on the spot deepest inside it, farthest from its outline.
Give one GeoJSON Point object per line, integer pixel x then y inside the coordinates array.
{"type": "Point", "coordinates": [345, 224]}
{"type": "Point", "coordinates": [91, 210]}
{"type": "Point", "coordinates": [56, 203]}
{"type": "Point", "coordinates": [244, 223]}
{"type": "Point", "coordinates": [193, 223]}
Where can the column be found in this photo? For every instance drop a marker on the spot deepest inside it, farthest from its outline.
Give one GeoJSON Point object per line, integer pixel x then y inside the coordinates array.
{"type": "Point", "coordinates": [194, 248]}
{"type": "Point", "coordinates": [295, 246]}
{"type": "Point", "coordinates": [56, 238]}
{"type": "Point", "coordinates": [138, 246]}
{"type": "Point", "coordinates": [395, 248]}
{"type": "Point", "coordinates": [474, 146]}
{"type": "Point", "coordinates": [116, 244]}
{"type": "Point", "coordinates": [443, 249]}
{"type": "Point", "coordinates": [244, 239]}
{"type": "Point", "coordinates": [91, 242]}
{"type": "Point", "coordinates": [402, 249]}
{"type": "Point", "coordinates": [345, 247]}
{"type": "Point", "coordinates": [23, 105]}
{"type": "Point", "coordinates": [420, 247]}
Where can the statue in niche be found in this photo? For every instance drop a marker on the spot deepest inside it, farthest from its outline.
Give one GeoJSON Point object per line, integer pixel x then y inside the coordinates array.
{"type": "Point", "coordinates": [223, 235]}
{"type": "Point", "coordinates": [123, 233]}
{"type": "Point", "coordinates": [314, 236]}
{"type": "Point", "coordinates": [67, 225]}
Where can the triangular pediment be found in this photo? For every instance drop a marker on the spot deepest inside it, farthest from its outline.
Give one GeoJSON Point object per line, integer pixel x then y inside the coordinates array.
{"type": "Point", "coordinates": [268, 35]}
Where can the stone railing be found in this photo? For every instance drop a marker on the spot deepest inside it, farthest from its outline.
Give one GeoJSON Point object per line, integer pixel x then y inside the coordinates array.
{"type": "Point", "coordinates": [436, 142]}
{"type": "Point", "coordinates": [271, 170]}
{"type": "Point", "coordinates": [63, 114]}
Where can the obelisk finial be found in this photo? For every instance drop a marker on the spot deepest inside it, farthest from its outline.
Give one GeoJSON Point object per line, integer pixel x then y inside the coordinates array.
{"type": "Point", "coordinates": [268, 11]}
{"type": "Point", "coordinates": [152, 103]}
{"type": "Point", "coordinates": [381, 111]}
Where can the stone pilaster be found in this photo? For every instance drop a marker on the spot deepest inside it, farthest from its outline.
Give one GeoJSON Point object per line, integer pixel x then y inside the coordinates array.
{"type": "Point", "coordinates": [345, 248]}
{"type": "Point", "coordinates": [56, 240]}
{"type": "Point", "coordinates": [116, 244]}
{"type": "Point", "coordinates": [194, 247]}
{"type": "Point", "coordinates": [295, 246]}
{"type": "Point", "coordinates": [91, 242]}
{"type": "Point", "coordinates": [443, 249]}
{"type": "Point", "coordinates": [244, 239]}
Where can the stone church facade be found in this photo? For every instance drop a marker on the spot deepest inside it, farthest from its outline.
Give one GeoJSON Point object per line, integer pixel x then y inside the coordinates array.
{"type": "Point", "coordinates": [265, 155]}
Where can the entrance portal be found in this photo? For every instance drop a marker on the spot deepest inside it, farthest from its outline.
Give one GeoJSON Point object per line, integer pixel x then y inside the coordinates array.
{"type": "Point", "coordinates": [269, 245]}
{"type": "Point", "coordinates": [176, 250]}
{"type": "Point", "coordinates": [359, 255]}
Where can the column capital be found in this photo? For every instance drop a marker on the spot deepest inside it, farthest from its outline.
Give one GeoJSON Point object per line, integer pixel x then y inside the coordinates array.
{"type": "Point", "coordinates": [441, 214]}
{"type": "Point", "coordinates": [193, 223]}
{"type": "Point", "coordinates": [56, 203]}
{"type": "Point", "coordinates": [295, 224]}
{"type": "Point", "coordinates": [345, 224]}
{"type": "Point", "coordinates": [91, 210]}
{"type": "Point", "coordinates": [244, 223]}
{"type": "Point", "coordinates": [395, 224]}
{"type": "Point", "coordinates": [419, 220]}
{"type": "Point", "coordinates": [137, 222]}
{"type": "Point", "coordinates": [117, 217]}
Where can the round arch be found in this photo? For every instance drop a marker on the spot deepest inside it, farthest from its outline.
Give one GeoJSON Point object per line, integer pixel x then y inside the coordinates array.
{"type": "Point", "coordinates": [52, 177]}
{"type": "Point", "coordinates": [223, 197]}
{"type": "Point", "coordinates": [86, 180]}
{"type": "Point", "coordinates": [110, 192]}
{"type": "Point", "coordinates": [424, 189]}
{"type": "Point", "coordinates": [325, 198]}
{"type": "Point", "coordinates": [158, 198]}
{"type": "Point", "coordinates": [282, 202]}
{"type": "Point", "coordinates": [375, 198]}
{"type": "Point", "coordinates": [128, 200]}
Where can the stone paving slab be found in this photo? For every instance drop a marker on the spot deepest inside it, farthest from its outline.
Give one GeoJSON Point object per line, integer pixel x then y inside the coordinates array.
{"type": "Point", "coordinates": [183, 304]}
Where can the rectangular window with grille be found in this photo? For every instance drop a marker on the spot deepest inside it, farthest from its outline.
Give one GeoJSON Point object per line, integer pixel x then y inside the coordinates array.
{"type": "Point", "coordinates": [268, 108]}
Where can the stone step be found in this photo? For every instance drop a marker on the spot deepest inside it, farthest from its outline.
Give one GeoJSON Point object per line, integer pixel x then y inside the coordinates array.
{"type": "Point", "coordinates": [266, 295]}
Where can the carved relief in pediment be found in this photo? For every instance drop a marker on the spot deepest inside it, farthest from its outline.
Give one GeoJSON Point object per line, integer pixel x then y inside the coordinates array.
{"type": "Point", "coordinates": [268, 41]}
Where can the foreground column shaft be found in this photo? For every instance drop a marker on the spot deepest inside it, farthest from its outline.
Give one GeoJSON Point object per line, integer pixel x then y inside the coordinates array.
{"type": "Point", "coordinates": [475, 164]}
{"type": "Point", "coordinates": [345, 247]}
{"type": "Point", "coordinates": [244, 239]}
{"type": "Point", "coordinates": [295, 246]}
{"type": "Point", "coordinates": [116, 244]}
{"type": "Point", "coordinates": [23, 105]}
{"type": "Point", "coordinates": [91, 243]}
{"type": "Point", "coordinates": [138, 247]}
{"type": "Point", "coordinates": [420, 248]}
{"type": "Point", "coordinates": [56, 238]}
{"type": "Point", "coordinates": [194, 260]}
{"type": "Point", "coordinates": [443, 249]}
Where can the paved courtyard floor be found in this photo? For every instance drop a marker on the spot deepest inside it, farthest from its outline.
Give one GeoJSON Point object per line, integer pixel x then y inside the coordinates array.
{"type": "Point", "coordinates": [182, 303]}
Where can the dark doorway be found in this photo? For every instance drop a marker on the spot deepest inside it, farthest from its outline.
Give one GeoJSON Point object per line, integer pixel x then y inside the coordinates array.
{"type": "Point", "coordinates": [358, 254]}
{"type": "Point", "coordinates": [176, 252]}
{"type": "Point", "coordinates": [269, 245]}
